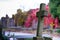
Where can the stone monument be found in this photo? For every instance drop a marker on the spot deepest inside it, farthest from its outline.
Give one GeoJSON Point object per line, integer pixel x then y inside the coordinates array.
{"type": "Point", "coordinates": [40, 14]}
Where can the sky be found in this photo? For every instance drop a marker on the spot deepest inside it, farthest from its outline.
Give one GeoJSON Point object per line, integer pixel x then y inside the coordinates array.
{"type": "Point", "coordinates": [10, 6]}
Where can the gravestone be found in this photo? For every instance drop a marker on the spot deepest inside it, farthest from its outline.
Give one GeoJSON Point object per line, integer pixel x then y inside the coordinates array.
{"type": "Point", "coordinates": [40, 15]}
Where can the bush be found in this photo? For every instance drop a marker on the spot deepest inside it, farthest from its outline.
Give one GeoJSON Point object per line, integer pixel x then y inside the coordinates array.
{"type": "Point", "coordinates": [58, 31]}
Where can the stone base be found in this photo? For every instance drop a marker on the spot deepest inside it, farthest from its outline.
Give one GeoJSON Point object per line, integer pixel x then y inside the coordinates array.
{"type": "Point", "coordinates": [37, 38]}
{"type": "Point", "coordinates": [47, 38]}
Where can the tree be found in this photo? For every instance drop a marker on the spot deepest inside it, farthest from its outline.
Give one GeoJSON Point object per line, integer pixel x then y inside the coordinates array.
{"type": "Point", "coordinates": [20, 18]}
{"type": "Point", "coordinates": [55, 8]}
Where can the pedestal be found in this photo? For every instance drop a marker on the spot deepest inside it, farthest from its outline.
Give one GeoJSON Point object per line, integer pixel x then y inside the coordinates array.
{"type": "Point", "coordinates": [38, 38]}
{"type": "Point", "coordinates": [47, 38]}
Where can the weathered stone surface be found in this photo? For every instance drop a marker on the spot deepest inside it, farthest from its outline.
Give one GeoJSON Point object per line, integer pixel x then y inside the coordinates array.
{"type": "Point", "coordinates": [38, 38]}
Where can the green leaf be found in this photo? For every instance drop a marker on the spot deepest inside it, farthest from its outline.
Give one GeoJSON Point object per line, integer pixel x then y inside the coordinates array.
{"type": "Point", "coordinates": [58, 31]}
{"type": "Point", "coordinates": [55, 7]}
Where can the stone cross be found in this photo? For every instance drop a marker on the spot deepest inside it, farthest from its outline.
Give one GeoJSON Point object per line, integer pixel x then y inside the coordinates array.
{"type": "Point", "coordinates": [40, 15]}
